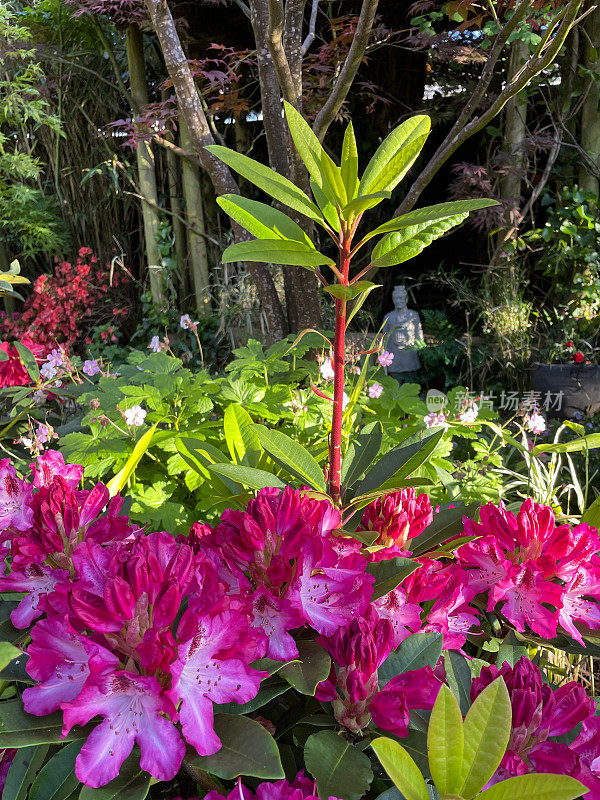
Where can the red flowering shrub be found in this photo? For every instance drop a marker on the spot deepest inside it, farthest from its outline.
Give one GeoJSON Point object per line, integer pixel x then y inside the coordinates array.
{"type": "Point", "coordinates": [64, 306]}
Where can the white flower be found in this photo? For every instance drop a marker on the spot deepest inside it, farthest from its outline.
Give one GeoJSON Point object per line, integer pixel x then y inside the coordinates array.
{"type": "Point", "coordinates": [345, 401]}
{"type": "Point", "coordinates": [26, 442]}
{"type": "Point", "coordinates": [48, 370]}
{"type": "Point", "coordinates": [187, 324]}
{"type": "Point", "coordinates": [326, 369]}
{"type": "Point", "coordinates": [134, 416]}
{"type": "Point", "coordinates": [155, 343]}
{"type": "Point", "coordinates": [469, 415]}
{"type": "Point", "coordinates": [535, 422]}
{"type": "Point", "coordinates": [39, 397]}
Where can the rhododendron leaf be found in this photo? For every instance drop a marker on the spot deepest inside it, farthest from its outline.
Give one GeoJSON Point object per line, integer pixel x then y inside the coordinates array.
{"type": "Point", "coordinates": [269, 181]}
{"type": "Point", "coordinates": [15, 670]}
{"type": "Point", "coordinates": [22, 772]}
{"type": "Point", "coordinates": [276, 251]}
{"type": "Point", "coordinates": [132, 783]}
{"type": "Point", "coordinates": [415, 652]}
{"type": "Point", "coordinates": [291, 456]}
{"type": "Point", "coordinates": [328, 210]}
{"type": "Point", "coordinates": [268, 691]}
{"type": "Point", "coordinates": [57, 779]}
{"type": "Point", "coordinates": [389, 574]}
{"type": "Point", "coordinates": [312, 667]}
{"type": "Point", "coordinates": [254, 478]}
{"type": "Point", "coordinates": [402, 245]}
{"type": "Point", "coordinates": [414, 461]}
{"type": "Point", "coordinates": [242, 440]}
{"type": "Point", "coordinates": [29, 361]}
{"type": "Point", "coordinates": [8, 652]}
{"type": "Point", "coordinates": [361, 204]}
{"type": "Point", "coordinates": [349, 162]}
{"type": "Point", "coordinates": [511, 650]}
{"type": "Point", "coordinates": [445, 742]}
{"type": "Point", "coordinates": [19, 729]}
{"type": "Point", "coordinates": [349, 292]}
{"type": "Point", "coordinates": [339, 768]}
{"type": "Point", "coordinates": [247, 749]}
{"type": "Point", "coordinates": [199, 455]}
{"type": "Point", "coordinates": [446, 523]}
{"type": "Point", "coordinates": [270, 665]}
{"type": "Point", "coordinates": [395, 462]}
{"type": "Point", "coordinates": [395, 155]}
{"type": "Point", "coordinates": [261, 220]}
{"type": "Point", "coordinates": [116, 484]}
{"type": "Point", "coordinates": [401, 768]}
{"type": "Point", "coordinates": [458, 678]}
{"type": "Point", "coordinates": [592, 514]}
{"type": "Point", "coordinates": [487, 729]}
{"type": "Point", "coordinates": [535, 787]}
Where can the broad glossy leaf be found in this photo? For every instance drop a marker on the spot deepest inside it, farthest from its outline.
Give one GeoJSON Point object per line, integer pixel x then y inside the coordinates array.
{"type": "Point", "coordinates": [356, 306]}
{"type": "Point", "coordinates": [292, 456]}
{"type": "Point", "coordinates": [270, 688]}
{"type": "Point", "coordinates": [57, 779]}
{"type": "Point", "coordinates": [276, 251]}
{"type": "Point", "coordinates": [416, 460]}
{"type": "Point", "coordinates": [349, 162]}
{"type": "Point", "coordinates": [395, 155]}
{"type": "Point", "coordinates": [261, 220]}
{"type": "Point", "coordinates": [487, 729]}
{"type": "Point", "coordinates": [117, 483]}
{"type": "Point", "coordinates": [312, 667]}
{"type": "Point", "coordinates": [248, 749]}
{"type": "Point", "coordinates": [448, 522]}
{"type": "Point", "coordinates": [445, 742]}
{"type": "Point", "coordinates": [132, 783]}
{"type": "Point", "coordinates": [22, 772]}
{"type": "Point", "coordinates": [240, 435]}
{"type": "Point", "coordinates": [248, 476]}
{"type": "Point", "coordinates": [389, 574]}
{"type": "Point", "coordinates": [349, 292]}
{"type": "Point", "coordinates": [269, 181]}
{"type": "Point", "coordinates": [362, 451]}
{"type": "Point", "coordinates": [402, 245]}
{"type": "Point", "coordinates": [339, 768]}
{"type": "Point", "coordinates": [535, 787]}
{"type": "Point", "coordinates": [327, 208]}
{"type": "Point", "coordinates": [19, 729]}
{"type": "Point", "coordinates": [8, 652]}
{"type": "Point", "coordinates": [401, 768]}
{"type": "Point", "coordinates": [390, 464]}
{"type": "Point", "coordinates": [361, 204]}
{"type": "Point", "coordinates": [29, 361]}
{"type": "Point", "coordinates": [592, 514]}
{"type": "Point", "coordinates": [415, 652]}
{"type": "Point", "coordinates": [430, 214]}
{"type": "Point", "coordinates": [458, 678]}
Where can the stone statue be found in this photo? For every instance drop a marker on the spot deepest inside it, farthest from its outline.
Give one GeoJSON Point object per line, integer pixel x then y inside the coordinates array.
{"type": "Point", "coordinates": [403, 329]}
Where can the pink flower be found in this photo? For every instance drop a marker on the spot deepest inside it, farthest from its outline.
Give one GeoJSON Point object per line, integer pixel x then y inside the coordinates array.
{"type": "Point", "coordinates": [52, 463]}
{"type": "Point", "coordinates": [15, 499]}
{"type": "Point", "coordinates": [375, 390]}
{"type": "Point", "coordinates": [396, 518]}
{"type": "Point", "coordinates": [37, 580]}
{"type": "Point", "coordinates": [391, 707]}
{"type": "Point", "coordinates": [435, 419]}
{"type": "Point", "coordinates": [385, 358]}
{"type": "Point", "coordinates": [301, 789]}
{"type": "Point", "coordinates": [132, 707]}
{"type": "Point", "coordinates": [404, 617]}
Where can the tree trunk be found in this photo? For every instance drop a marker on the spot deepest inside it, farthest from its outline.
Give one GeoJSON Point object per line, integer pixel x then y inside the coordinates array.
{"type": "Point", "coordinates": [590, 111]}
{"type": "Point", "coordinates": [515, 129]}
{"type": "Point", "coordinates": [145, 161]}
{"type": "Point", "coordinates": [194, 212]}
{"type": "Point", "coordinates": [222, 179]}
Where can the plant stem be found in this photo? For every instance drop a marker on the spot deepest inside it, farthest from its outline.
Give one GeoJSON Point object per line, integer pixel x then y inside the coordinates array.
{"type": "Point", "coordinates": [335, 447]}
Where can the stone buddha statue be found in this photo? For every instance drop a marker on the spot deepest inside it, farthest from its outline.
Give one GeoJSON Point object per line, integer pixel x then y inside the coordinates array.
{"type": "Point", "coordinates": [402, 328]}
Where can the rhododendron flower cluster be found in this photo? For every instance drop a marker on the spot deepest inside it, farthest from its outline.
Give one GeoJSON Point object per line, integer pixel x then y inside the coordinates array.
{"type": "Point", "coordinates": [302, 788]}
{"type": "Point", "coordinates": [540, 717]}
{"type": "Point", "coordinates": [396, 518]}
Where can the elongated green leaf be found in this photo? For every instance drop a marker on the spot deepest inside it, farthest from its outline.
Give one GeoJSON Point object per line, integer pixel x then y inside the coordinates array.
{"type": "Point", "coordinates": [390, 464]}
{"type": "Point", "coordinates": [389, 574]}
{"type": "Point", "coordinates": [349, 163]}
{"type": "Point", "coordinates": [402, 245]}
{"type": "Point", "coordinates": [458, 678]}
{"type": "Point", "coordinates": [19, 729]}
{"type": "Point", "coordinates": [292, 456]}
{"type": "Point", "coordinates": [487, 730]}
{"type": "Point", "coordinates": [395, 155]}
{"type": "Point", "coordinates": [199, 456]}
{"type": "Point", "coordinates": [356, 306]}
{"type": "Point", "coordinates": [312, 667]}
{"type": "Point", "coordinates": [361, 204]}
{"type": "Point", "coordinates": [327, 208]}
{"type": "Point", "coordinates": [446, 524]}
{"type": "Point", "coordinates": [339, 768]}
{"type": "Point", "coordinates": [57, 779]}
{"type": "Point", "coordinates": [270, 182]}
{"type": "Point", "coordinates": [445, 742]}
{"type": "Point", "coordinates": [29, 361]}
{"type": "Point", "coordinates": [248, 476]}
{"type": "Point", "coordinates": [276, 251]}
{"type": "Point", "coordinates": [592, 514]}
{"type": "Point", "coordinates": [247, 749]}
{"type": "Point", "coordinates": [270, 688]}
{"type": "Point", "coordinates": [239, 431]}
{"type": "Point", "coordinates": [415, 652]}
{"type": "Point", "coordinates": [8, 652]}
{"type": "Point", "coordinates": [117, 483]}
{"type": "Point", "coordinates": [401, 768]}
{"type": "Point", "coordinates": [349, 292]}
{"type": "Point", "coordinates": [416, 460]}
{"type": "Point", "coordinates": [535, 787]}
{"type": "Point", "coordinates": [591, 442]}
{"type": "Point", "coordinates": [261, 220]}
{"type": "Point", "coordinates": [429, 214]}
{"type": "Point", "coordinates": [362, 451]}
{"type": "Point", "coordinates": [22, 771]}
{"type": "Point", "coordinates": [132, 783]}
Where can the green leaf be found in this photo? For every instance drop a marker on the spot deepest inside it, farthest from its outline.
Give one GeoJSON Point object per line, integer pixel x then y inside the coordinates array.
{"type": "Point", "coordinates": [339, 768]}
{"type": "Point", "coordinates": [276, 251]}
{"type": "Point", "coordinates": [292, 456]}
{"type": "Point", "coordinates": [22, 772]}
{"type": "Point", "coordinates": [29, 361]}
{"type": "Point", "coordinates": [429, 214]}
{"type": "Point", "coordinates": [487, 730]}
{"type": "Point", "coordinates": [445, 742]}
{"type": "Point", "coordinates": [395, 155]}
{"type": "Point", "coordinates": [359, 302]}
{"type": "Point", "coordinates": [117, 483]}
{"type": "Point", "coordinates": [590, 442]}
{"type": "Point", "coordinates": [240, 435]}
{"type": "Point", "coordinates": [57, 779]}
{"type": "Point", "coordinates": [401, 768]}
{"type": "Point", "coordinates": [446, 523]}
{"type": "Point", "coordinates": [592, 514]}
{"type": "Point", "coordinates": [271, 182]}
{"type": "Point", "coordinates": [405, 456]}
{"type": "Point", "coordinates": [390, 574]}
{"type": "Point", "coordinates": [8, 652]}
{"type": "Point", "coordinates": [248, 476]}
{"type": "Point", "coordinates": [261, 220]}
{"type": "Point", "coordinates": [349, 163]}
{"type": "Point", "coordinates": [19, 729]}
{"type": "Point", "coordinates": [312, 667]}
{"type": "Point", "coordinates": [458, 677]}
{"type": "Point", "coordinates": [349, 292]}
{"type": "Point", "coordinates": [361, 204]}
{"type": "Point", "coordinates": [247, 749]}
{"type": "Point", "coordinates": [362, 451]}
{"type": "Point", "coordinates": [415, 652]}
{"type": "Point", "coordinates": [132, 783]}
{"type": "Point", "coordinates": [535, 787]}
{"type": "Point", "coordinates": [402, 245]}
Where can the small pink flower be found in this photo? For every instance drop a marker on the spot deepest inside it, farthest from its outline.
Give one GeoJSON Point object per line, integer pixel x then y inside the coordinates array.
{"type": "Point", "coordinates": [375, 390]}
{"type": "Point", "coordinates": [385, 358]}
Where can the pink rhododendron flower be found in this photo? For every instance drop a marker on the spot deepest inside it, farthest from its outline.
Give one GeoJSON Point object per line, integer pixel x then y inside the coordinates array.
{"type": "Point", "coordinates": [52, 463]}
{"type": "Point", "coordinates": [404, 617]}
{"type": "Point", "coordinates": [15, 499]}
{"type": "Point", "coordinates": [38, 580]}
{"type": "Point", "coordinates": [396, 519]}
{"type": "Point", "coordinates": [300, 789]}
{"type": "Point", "coordinates": [391, 707]}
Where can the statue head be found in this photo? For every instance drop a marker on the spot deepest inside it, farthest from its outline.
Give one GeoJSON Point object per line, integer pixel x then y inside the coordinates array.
{"type": "Point", "coordinates": [399, 296]}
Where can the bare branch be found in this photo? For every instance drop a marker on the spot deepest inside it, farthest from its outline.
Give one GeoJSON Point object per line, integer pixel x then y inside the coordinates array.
{"type": "Point", "coordinates": [310, 37]}
{"type": "Point", "coordinates": [276, 48]}
{"type": "Point", "coordinates": [179, 151]}
{"type": "Point", "coordinates": [348, 72]}
{"type": "Point", "coordinates": [243, 6]}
